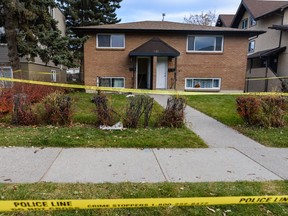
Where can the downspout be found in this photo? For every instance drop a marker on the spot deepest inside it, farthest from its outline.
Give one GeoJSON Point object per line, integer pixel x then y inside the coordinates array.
{"type": "Point", "coordinates": [266, 75]}
{"type": "Point", "coordinates": [175, 74]}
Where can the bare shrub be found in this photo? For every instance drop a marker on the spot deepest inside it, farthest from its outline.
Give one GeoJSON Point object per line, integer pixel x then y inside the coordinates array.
{"type": "Point", "coordinates": [105, 114]}
{"type": "Point", "coordinates": [137, 106]}
{"type": "Point", "coordinates": [173, 115]}
{"type": "Point", "coordinates": [22, 113]}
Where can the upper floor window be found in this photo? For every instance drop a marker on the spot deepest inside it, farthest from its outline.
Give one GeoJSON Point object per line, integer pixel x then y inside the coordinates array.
{"type": "Point", "coordinates": [252, 21]}
{"type": "Point", "coordinates": [2, 36]}
{"type": "Point", "coordinates": [251, 47]}
{"type": "Point", "coordinates": [110, 41]}
{"type": "Point", "coordinates": [244, 24]}
{"type": "Point", "coordinates": [205, 44]}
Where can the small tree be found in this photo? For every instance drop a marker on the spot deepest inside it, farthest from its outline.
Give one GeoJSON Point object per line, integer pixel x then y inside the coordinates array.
{"type": "Point", "coordinates": [204, 18]}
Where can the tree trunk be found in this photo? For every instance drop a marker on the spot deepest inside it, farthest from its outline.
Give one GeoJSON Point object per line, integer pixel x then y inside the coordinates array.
{"type": "Point", "coordinates": [11, 34]}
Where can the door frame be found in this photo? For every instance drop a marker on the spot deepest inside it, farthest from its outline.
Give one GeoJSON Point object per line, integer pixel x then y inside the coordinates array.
{"type": "Point", "coordinates": [149, 72]}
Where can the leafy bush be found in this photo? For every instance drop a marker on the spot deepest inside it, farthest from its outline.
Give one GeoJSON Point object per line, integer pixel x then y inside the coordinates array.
{"type": "Point", "coordinates": [105, 114]}
{"type": "Point", "coordinates": [137, 106]}
{"type": "Point", "coordinates": [35, 93]}
{"type": "Point", "coordinates": [173, 115]}
{"type": "Point", "coordinates": [6, 102]}
{"type": "Point", "coordinates": [263, 111]}
{"type": "Point", "coordinates": [57, 109]}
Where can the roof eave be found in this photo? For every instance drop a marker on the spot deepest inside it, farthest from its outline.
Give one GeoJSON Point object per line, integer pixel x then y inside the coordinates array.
{"type": "Point", "coordinates": [114, 30]}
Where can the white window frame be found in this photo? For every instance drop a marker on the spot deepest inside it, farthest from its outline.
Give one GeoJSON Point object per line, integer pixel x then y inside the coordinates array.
{"type": "Point", "coordinates": [199, 88]}
{"type": "Point", "coordinates": [6, 84]}
{"type": "Point", "coordinates": [203, 51]}
{"type": "Point", "coordinates": [110, 77]}
{"type": "Point", "coordinates": [53, 75]}
{"type": "Point", "coordinates": [250, 50]}
{"type": "Point", "coordinates": [110, 47]}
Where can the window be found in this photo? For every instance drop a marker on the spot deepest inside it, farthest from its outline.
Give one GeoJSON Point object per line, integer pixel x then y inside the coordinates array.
{"type": "Point", "coordinates": [251, 48]}
{"type": "Point", "coordinates": [244, 24]}
{"type": "Point", "coordinates": [202, 83]}
{"type": "Point", "coordinates": [7, 73]}
{"type": "Point", "coordinates": [252, 21]}
{"type": "Point", "coordinates": [2, 36]}
{"type": "Point", "coordinates": [115, 82]}
{"type": "Point", "coordinates": [110, 41]}
{"type": "Point", "coordinates": [53, 75]}
{"type": "Point", "coordinates": [205, 44]}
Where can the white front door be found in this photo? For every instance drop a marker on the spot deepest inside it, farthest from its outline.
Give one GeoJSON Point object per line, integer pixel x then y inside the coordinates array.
{"type": "Point", "coordinates": [161, 73]}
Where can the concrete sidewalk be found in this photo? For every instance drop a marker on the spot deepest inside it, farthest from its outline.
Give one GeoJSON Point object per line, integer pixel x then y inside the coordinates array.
{"type": "Point", "coordinates": [27, 165]}
{"type": "Point", "coordinates": [218, 135]}
{"type": "Point", "coordinates": [231, 157]}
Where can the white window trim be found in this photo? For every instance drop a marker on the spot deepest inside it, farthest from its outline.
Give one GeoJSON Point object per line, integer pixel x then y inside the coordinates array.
{"type": "Point", "coordinates": [249, 51]}
{"type": "Point", "coordinates": [201, 89]}
{"type": "Point", "coordinates": [2, 82]}
{"type": "Point", "coordinates": [110, 77]}
{"type": "Point", "coordinates": [53, 75]}
{"type": "Point", "coordinates": [124, 44]}
{"type": "Point", "coordinates": [196, 51]}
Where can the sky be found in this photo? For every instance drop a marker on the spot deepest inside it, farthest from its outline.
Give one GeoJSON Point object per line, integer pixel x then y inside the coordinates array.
{"type": "Point", "coordinates": [175, 10]}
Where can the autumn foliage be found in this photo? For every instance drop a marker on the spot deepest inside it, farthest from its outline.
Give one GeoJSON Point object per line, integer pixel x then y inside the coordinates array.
{"type": "Point", "coordinates": [35, 93]}
{"type": "Point", "coordinates": [263, 111]}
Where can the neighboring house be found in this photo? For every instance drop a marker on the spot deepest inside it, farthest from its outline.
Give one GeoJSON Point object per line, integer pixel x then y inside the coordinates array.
{"type": "Point", "coordinates": [268, 56]}
{"type": "Point", "coordinates": [166, 55]}
{"type": "Point", "coordinates": [33, 70]}
{"type": "Point", "coordinates": [224, 20]}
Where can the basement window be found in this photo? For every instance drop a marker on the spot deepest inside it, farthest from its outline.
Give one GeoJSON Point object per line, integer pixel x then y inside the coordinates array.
{"type": "Point", "coordinates": [114, 82]}
{"type": "Point", "coordinates": [202, 83]}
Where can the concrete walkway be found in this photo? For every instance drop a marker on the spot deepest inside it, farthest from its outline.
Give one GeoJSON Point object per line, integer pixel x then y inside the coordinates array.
{"type": "Point", "coordinates": [231, 157]}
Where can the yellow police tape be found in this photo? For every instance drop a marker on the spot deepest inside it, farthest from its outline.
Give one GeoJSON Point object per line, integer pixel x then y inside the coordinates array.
{"type": "Point", "coordinates": [137, 91]}
{"type": "Point", "coordinates": [266, 78]}
{"type": "Point", "coordinates": [39, 72]}
{"type": "Point", "coordinates": [44, 205]}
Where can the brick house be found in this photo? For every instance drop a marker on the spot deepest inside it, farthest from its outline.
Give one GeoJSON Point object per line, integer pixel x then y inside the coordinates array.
{"type": "Point", "coordinates": [267, 53]}
{"type": "Point", "coordinates": [166, 55]}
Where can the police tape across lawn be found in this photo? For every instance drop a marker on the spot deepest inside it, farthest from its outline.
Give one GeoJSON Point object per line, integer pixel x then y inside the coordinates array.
{"type": "Point", "coordinates": [48, 205]}
{"type": "Point", "coordinates": [136, 91]}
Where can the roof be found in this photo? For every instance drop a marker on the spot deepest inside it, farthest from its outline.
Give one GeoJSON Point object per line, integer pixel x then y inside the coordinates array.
{"type": "Point", "coordinates": [257, 9]}
{"type": "Point", "coordinates": [267, 53]}
{"type": "Point", "coordinates": [163, 26]}
{"type": "Point", "coordinates": [225, 20]}
{"type": "Point", "coordinates": [155, 47]}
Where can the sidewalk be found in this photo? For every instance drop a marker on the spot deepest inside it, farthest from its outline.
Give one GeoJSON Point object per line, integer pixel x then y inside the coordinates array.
{"type": "Point", "coordinates": [231, 157]}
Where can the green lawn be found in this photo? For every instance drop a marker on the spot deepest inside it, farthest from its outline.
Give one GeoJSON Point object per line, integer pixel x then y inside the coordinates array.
{"type": "Point", "coordinates": [84, 133]}
{"type": "Point", "coordinates": [159, 190]}
{"type": "Point", "coordinates": [223, 108]}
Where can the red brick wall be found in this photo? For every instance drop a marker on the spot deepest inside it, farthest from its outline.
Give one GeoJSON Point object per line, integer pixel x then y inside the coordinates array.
{"type": "Point", "coordinates": [229, 65]}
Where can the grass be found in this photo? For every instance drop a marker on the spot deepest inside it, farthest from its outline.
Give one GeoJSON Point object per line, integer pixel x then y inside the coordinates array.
{"type": "Point", "coordinates": [84, 133]}
{"type": "Point", "coordinates": [223, 108]}
{"type": "Point", "coordinates": [159, 190]}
